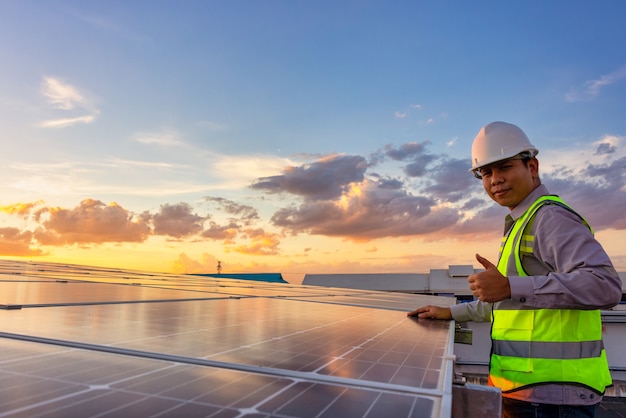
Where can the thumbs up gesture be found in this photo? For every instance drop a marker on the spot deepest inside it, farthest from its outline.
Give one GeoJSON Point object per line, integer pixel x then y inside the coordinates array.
{"type": "Point", "coordinates": [489, 285]}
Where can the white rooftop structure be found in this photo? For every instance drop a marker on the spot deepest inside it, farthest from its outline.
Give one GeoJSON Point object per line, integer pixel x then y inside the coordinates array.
{"type": "Point", "coordinates": [450, 281]}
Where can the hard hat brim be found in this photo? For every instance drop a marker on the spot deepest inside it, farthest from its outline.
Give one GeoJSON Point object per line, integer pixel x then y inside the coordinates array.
{"type": "Point", "coordinates": [532, 152]}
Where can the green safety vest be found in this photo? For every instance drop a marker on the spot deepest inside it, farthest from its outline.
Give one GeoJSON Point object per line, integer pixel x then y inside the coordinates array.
{"type": "Point", "coordinates": [534, 346]}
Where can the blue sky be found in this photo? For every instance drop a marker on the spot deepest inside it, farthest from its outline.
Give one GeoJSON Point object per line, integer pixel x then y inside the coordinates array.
{"type": "Point", "coordinates": [297, 136]}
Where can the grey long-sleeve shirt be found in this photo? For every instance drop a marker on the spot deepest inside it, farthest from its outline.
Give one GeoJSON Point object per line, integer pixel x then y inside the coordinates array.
{"type": "Point", "coordinates": [568, 269]}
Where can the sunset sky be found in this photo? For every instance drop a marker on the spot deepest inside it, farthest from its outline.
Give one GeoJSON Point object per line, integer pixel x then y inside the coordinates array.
{"type": "Point", "coordinates": [297, 136]}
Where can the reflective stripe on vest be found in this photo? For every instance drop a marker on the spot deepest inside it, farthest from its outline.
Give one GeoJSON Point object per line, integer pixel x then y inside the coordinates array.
{"type": "Point", "coordinates": [547, 350]}
{"type": "Point", "coordinates": [532, 346]}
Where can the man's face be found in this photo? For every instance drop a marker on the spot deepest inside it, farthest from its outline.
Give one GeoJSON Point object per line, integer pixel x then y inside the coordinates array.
{"type": "Point", "coordinates": [508, 182]}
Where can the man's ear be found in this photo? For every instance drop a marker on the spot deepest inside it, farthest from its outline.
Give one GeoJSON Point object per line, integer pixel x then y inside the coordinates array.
{"type": "Point", "coordinates": [533, 165]}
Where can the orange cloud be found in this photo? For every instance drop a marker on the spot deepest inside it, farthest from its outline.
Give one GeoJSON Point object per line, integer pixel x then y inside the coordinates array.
{"type": "Point", "coordinates": [92, 222]}
{"type": "Point", "coordinates": [20, 209]}
{"type": "Point", "coordinates": [261, 243]}
{"type": "Point", "coordinates": [13, 242]}
{"type": "Point", "coordinates": [186, 265]}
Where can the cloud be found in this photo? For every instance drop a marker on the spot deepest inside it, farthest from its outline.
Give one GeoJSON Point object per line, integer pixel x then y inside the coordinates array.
{"type": "Point", "coordinates": [415, 153]}
{"type": "Point", "coordinates": [184, 170]}
{"type": "Point", "coordinates": [367, 212]}
{"type": "Point", "coordinates": [338, 196]}
{"type": "Point", "coordinates": [226, 233]}
{"type": "Point", "coordinates": [260, 243]}
{"type": "Point", "coordinates": [592, 88]}
{"type": "Point", "coordinates": [61, 96]}
{"type": "Point", "coordinates": [405, 113]}
{"type": "Point", "coordinates": [591, 179]}
{"type": "Point", "coordinates": [485, 219]}
{"type": "Point", "coordinates": [425, 120]}
{"type": "Point", "coordinates": [338, 199]}
{"type": "Point", "coordinates": [208, 265]}
{"type": "Point", "coordinates": [406, 151]}
{"type": "Point", "coordinates": [418, 167]}
{"type": "Point", "coordinates": [92, 222]}
{"type": "Point", "coordinates": [166, 138]}
{"type": "Point", "coordinates": [599, 194]}
{"type": "Point", "coordinates": [447, 200]}
{"type": "Point", "coordinates": [239, 215]}
{"type": "Point", "coordinates": [70, 179]}
{"type": "Point", "coordinates": [186, 265]}
{"type": "Point", "coordinates": [605, 148]}
{"type": "Point", "coordinates": [450, 181]}
{"type": "Point", "coordinates": [60, 123]}
{"type": "Point", "coordinates": [240, 170]}
{"type": "Point", "coordinates": [388, 183]}
{"type": "Point", "coordinates": [20, 209]}
{"type": "Point", "coordinates": [326, 178]}
{"type": "Point", "coordinates": [451, 142]}
{"type": "Point", "coordinates": [177, 221]}
{"type": "Point", "coordinates": [244, 213]}
{"type": "Point", "coordinates": [67, 98]}
{"type": "Point", "coordinates": [14, 242]}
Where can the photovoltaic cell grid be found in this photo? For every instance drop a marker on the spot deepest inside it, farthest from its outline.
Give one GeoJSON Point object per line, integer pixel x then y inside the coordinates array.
{"type": "Point", "coordinates": [82, 341]}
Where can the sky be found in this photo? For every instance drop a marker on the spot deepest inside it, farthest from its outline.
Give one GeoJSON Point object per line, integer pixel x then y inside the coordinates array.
{"type": "Point", "coordinates": [297, 136]}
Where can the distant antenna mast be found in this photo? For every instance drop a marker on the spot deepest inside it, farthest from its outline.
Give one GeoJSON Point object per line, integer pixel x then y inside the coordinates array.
{"type": "Point", "coordinates": [219, 267]}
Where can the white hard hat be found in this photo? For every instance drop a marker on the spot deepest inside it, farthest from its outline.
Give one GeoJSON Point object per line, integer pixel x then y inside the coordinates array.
{"type": "Point", "coordinates": [499, 141]}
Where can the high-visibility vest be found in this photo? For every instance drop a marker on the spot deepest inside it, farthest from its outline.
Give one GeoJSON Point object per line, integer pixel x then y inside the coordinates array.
{"type": "Point", "coordinates": [534, 346]}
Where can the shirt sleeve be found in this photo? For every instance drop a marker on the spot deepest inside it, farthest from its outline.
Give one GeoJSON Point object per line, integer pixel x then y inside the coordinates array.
{"type": "Point", "coordinates": [476, 311]}
{"type": "Point", "coordinates": [568, 268]}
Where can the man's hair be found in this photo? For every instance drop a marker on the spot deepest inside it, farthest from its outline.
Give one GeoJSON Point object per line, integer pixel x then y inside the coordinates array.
{"type": "Point", "coordinates": [525, 159]}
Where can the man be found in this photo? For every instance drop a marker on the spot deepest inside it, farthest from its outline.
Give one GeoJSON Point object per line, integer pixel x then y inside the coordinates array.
{"type": "Point", "coordinates": [545, 294]}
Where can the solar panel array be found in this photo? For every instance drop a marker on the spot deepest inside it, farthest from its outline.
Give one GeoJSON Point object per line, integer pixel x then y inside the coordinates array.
{"type": "Point", "coordinates": [84, 341]}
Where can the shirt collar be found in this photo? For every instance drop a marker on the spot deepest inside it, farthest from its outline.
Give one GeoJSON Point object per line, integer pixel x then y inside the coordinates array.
{"type": "Point", "coordinates": [520, 209]}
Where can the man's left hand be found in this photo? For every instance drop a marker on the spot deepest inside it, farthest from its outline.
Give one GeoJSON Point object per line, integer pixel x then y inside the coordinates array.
{"type": "Point", "coordinates": [489, 285]}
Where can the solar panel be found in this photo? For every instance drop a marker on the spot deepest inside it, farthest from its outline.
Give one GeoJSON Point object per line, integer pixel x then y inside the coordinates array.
{"type": "Point", "coordinates": [80, 341]}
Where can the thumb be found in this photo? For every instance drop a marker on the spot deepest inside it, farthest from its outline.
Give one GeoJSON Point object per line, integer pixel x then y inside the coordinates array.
{"type": "Point", "coordinates": [486, 263]}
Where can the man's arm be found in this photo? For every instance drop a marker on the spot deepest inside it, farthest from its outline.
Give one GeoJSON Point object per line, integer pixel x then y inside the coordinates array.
{"type": "Point", "coordinates": [568, 269]}
{"type": "Point", "coordinates": [476, 311]}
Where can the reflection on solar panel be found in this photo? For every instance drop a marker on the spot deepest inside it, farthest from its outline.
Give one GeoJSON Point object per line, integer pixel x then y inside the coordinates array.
{"type": "Point", "coordinates": [81, 341]}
